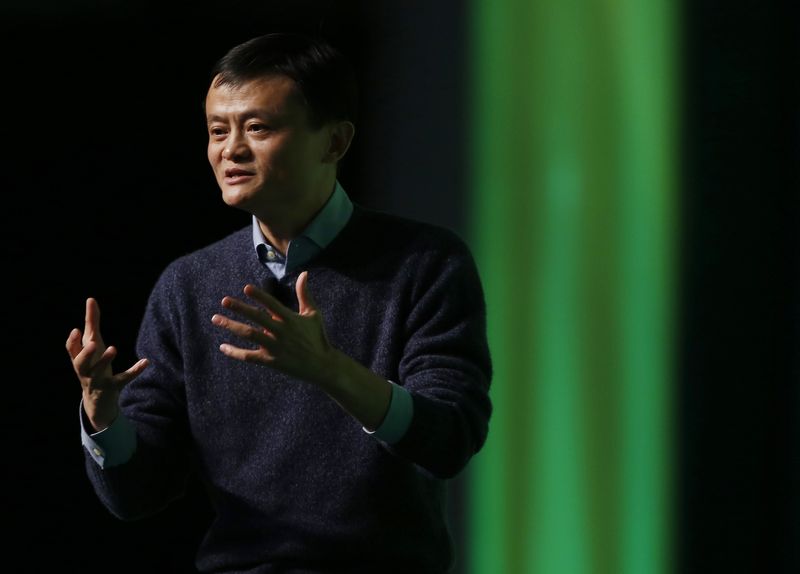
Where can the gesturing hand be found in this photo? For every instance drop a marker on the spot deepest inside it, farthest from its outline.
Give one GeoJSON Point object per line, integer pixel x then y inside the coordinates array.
{"type": "Point", "coordinates": [91, 360]}
{"type": "Point", "coordinates": [294, 343]}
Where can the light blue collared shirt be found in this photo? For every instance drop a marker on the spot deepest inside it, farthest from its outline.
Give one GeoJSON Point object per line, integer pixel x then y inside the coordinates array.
{"type": "Point", "coordinates": [116, 444]}
{"type": "Point", "coordinates": [325, 226]}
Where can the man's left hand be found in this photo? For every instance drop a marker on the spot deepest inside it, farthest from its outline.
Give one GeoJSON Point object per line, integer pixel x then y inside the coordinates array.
{"type": "Point", "coordinates": [294, 343]}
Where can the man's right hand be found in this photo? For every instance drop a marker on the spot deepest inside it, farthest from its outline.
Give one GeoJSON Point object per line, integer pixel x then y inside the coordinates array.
{"type": "Point", "coordinates": [91, 360]}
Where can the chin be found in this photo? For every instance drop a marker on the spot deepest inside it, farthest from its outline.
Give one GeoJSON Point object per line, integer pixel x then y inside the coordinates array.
{"type": "Point", "coordinates": [235, 197]}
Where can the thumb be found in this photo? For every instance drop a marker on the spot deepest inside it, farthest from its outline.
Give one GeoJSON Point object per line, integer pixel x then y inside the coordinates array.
{"type": "Point", "coordinates": [305, 301]}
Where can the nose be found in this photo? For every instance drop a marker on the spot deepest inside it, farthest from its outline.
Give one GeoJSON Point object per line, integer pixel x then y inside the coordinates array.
{"type": "Point", "coordinates": [236, 148]}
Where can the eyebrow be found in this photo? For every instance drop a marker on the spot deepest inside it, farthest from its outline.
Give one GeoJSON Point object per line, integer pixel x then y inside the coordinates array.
{"type": "Point", "coordinates": [245, 116]}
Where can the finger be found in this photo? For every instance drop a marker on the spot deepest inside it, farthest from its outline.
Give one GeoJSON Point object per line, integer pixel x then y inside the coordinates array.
{"type": "Point", "coordinates": [246, 355]}
{"type": "Point", "coordinates": [91, 329]}
{"type": "Point", "coordinates": [275, 306]}
{"type": "Point", "coordinates": [83, 360]}
{"type": "Point", "coordinates": [258, 315]}
{"type": "Point", "coordinates": [74, 345]}
{"type": "Point", "coordinates": [104, 361]}
{"type": "Point", "coordinates": [262, 337]}
{"type": "Point", "coordinates": [87, 363]}
{"type": "Point", "coordinates": [305, 302]}
{"type": "Point", "coordinates": [127, 376]}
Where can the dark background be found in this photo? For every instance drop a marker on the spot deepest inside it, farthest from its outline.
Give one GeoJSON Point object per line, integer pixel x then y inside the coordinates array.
{"type": "Point", "coordinates": [739, 410]}
{"type": "Point", "coordinates": [105, 181]}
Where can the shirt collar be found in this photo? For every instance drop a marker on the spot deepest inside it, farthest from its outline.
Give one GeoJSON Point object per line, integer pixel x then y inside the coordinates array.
{"type": "Point", "coordinates": [325, 226]}
{"type": "Point", "coordinates": [331, 219]}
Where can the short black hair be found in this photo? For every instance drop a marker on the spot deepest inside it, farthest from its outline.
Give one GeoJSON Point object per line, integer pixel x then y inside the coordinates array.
{"type": "Point", "coordinates": [324, 78]}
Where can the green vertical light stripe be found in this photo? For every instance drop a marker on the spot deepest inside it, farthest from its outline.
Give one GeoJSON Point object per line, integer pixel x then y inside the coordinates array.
{"type": "Point", "coordinates": [572, 175]}
{"type": "Point", "coordinates": [498, 519]}
{"type": "Point", "coordinates": [561, 542]}
{"type": "Point", "coordinates": [644, 51]}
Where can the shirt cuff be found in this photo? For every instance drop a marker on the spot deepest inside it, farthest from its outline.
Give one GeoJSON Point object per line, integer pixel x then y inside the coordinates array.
{"type": "Point", "coordinates": [111, 446]}
{"type": "Point", "coordinates": [398, 417]}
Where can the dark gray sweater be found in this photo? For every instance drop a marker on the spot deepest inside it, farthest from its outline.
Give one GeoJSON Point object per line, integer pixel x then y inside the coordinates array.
{"type": "Point", "coordinates": [296, 484]}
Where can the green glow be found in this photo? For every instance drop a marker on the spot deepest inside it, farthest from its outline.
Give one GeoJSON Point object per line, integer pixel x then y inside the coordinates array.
{"type": "Point", "coordinates": [573, 200]}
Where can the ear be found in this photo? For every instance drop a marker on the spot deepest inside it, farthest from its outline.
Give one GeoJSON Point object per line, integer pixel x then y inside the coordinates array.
{"type": "Point", "coordinates": [341, 134]}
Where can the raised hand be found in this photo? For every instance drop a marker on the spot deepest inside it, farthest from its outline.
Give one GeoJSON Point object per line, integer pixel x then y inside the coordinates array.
{"type": "Point", "coordinates": [294, 343]}
{"type": "Point", "coordinates": [91, 360]}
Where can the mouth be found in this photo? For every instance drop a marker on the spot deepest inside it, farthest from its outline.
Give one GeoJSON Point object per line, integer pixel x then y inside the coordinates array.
{"type": "Point", "coordinates": [235, 171]}
{"type": "Point", "coordinates": [237, 175]}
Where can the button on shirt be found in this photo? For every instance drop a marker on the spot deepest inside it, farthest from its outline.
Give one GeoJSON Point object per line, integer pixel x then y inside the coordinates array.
{"type": "Point", "coordinates": [117, 443]}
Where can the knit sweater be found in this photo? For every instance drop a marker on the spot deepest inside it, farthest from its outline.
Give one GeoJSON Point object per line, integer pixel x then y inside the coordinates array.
{"type": "Point", "coordinates": [295, 482]}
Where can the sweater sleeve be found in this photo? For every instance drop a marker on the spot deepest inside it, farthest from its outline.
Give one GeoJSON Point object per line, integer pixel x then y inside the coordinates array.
{"type": "Point", "coordinates": [446, 367]}
{"type": "Point", "coordinates": [154, 403]}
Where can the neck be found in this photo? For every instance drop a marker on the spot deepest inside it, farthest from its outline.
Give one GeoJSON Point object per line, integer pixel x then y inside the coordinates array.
{"type": "Point", "coordinates": [282, 223]}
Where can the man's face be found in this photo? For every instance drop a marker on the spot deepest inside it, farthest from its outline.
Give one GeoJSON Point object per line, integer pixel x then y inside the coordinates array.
{"type": "Point", "coordinates": [264, 154]}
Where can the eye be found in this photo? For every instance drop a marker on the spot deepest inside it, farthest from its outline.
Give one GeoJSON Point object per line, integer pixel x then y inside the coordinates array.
{"type": "Point", "coordinates": [217, 132]}
{"type": "Point", "coordinates": [257, 128]}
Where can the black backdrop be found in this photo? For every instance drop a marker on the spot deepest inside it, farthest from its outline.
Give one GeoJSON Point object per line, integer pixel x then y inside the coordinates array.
{"type": "Point", "coordinates": [739, 412]}
{"type": "Point", "coordinates": [105, 180]}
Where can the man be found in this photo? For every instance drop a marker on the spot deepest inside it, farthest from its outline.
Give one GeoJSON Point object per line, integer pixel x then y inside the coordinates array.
{"type": "Point", "coordinates": [325, 370]}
